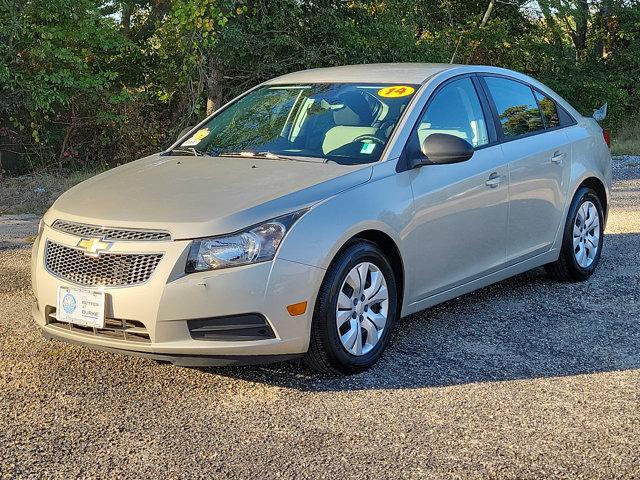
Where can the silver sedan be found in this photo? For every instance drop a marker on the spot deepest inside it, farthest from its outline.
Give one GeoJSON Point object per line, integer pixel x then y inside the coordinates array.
{"type": "Point", "coordinates": [307, 216]}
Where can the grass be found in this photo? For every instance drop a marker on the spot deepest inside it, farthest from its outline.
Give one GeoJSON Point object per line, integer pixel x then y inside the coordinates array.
{"type": "Point", "coordinates": [626, 139]}
{"type": "Point", "coordinates": [36, 192]}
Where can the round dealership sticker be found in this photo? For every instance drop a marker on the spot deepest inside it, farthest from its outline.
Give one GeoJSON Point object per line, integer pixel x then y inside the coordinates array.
{"type": "Point", "coordinates": [69, 303]}
{"type": "Point", "coordinates": [396, 91]}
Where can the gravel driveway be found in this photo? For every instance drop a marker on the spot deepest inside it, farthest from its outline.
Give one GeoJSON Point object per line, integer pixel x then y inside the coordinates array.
{"type": "Point", "coordinates": [526, 378]}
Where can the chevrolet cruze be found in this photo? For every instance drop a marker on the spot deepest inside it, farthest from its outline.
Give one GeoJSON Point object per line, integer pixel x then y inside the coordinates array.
{"type": "Point", "coordinates": [307, 216]}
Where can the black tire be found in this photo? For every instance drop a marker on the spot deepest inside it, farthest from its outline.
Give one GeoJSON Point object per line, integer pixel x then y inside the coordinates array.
{"type": "Point", "coordinates": [566, 268]}
{"type": "Point", "coordinates": [326, 353]}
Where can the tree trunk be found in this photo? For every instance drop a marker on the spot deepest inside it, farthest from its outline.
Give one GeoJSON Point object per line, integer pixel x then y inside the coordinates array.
{"type": "Point", "coordinates": [125, 22]}
{"type": "Point", "coordinates": [65, 142]}
{"type": "Point", "coordinates": [214, 91]}
{"type": "Point", "coordinates": [487, 13]}
{"type": "Point", "coordinates": [159, 8]}
{"type": "Point", "coordinates": [603, 31]}
{"type": "Point", "coordinates": [581, 18]}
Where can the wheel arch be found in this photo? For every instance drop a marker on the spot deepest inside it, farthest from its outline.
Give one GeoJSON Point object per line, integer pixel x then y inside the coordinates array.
{"type": "Point", "coordinates": [598, 186]}
{"type": "Point", "coordinates": [390, 250]}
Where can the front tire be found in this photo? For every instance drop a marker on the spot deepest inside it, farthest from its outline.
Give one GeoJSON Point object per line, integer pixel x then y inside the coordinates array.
{"type": "Point", "coordinates": [356, 309]}
{"type": "Point", "coordinates": [582, 239]}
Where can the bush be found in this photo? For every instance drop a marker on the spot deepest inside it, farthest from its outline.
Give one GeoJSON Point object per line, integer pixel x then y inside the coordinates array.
{"type": "Point", "coordinates": [61, 95]}
{"type": "Point", "coordinates": [92, 83]}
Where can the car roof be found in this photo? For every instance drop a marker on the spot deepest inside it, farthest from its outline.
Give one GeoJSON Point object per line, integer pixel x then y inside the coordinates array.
{"type": "Point", "coordinates": [406, 73]}
{"type": "Point", "coordinates": [413, 73]}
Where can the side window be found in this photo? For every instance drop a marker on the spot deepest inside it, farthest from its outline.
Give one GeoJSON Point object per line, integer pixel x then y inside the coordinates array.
{"type": "Point", "coordinates": [517, 107]}
{"type": "Point", "coordinates": [549, 110]}
{"type": "Point", "coordinates": [455, 110]}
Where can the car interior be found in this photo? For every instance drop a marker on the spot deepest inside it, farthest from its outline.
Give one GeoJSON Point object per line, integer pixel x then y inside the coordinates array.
{"type": "Point", "coordinates": [344, 123]}
{"type": "Point", "coordinates": [454, 114]}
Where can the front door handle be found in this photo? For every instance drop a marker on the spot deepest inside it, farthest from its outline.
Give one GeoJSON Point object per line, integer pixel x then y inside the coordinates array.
{"type": "Point", "coordinates": [558, 157]}
{"type": "Point", "coordinates": [494, 180]}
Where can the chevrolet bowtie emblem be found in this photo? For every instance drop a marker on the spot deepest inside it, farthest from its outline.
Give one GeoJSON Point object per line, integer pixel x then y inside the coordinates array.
{"type": "Point", "coordinates": [93, 246]}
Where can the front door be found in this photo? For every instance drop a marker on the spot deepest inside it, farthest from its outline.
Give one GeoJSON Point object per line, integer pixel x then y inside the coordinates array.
{"type": "Point", "coordinates": [458, 232]}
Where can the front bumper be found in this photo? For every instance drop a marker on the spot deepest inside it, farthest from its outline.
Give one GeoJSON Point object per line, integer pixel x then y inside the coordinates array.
{"type": "Point", "coordinates": [161, 307]}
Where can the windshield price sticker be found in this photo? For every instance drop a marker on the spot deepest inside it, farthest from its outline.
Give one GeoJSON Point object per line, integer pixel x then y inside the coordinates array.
{"type": "Point", "coordinates": [396, 91]}
{"type": "Point", "coordinates": [367, 148]}
{"type": "Point", "coordinates": [197, 137]}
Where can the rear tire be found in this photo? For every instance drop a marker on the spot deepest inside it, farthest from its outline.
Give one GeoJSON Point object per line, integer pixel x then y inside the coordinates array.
{"type": "Point", "coordinates": [353, 318]}
{"type": "Point", "coordinates": [582, 239]}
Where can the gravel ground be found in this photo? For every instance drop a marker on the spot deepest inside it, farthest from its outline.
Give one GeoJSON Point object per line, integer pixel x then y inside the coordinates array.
{"type": "Point", "coordinates": [17, 230]}
{"type": "Point", "coordinates": [524, 379]}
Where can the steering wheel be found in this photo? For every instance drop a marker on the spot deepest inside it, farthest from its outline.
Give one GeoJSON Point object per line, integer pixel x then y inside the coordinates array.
{"type": "Point", "coordinates": [369, 136]}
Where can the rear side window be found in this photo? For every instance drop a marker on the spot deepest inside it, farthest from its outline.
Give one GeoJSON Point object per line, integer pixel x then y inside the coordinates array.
{"type": "Point", "coordinates": [517, 107]}
{"type": "Point", "coordinates": [549, 110]}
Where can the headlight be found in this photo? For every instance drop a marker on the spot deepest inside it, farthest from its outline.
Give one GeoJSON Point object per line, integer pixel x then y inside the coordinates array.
{"type": "Point", "coordinates": [255, 244]}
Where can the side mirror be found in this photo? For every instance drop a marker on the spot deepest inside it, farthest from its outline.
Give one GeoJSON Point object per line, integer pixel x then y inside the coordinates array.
{"type": "Point", "coordinates": [443, 149]}
{"type": "Point", "coordinates": [184, 131]}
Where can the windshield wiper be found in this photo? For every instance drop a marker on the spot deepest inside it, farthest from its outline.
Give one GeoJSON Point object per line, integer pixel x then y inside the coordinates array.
{"type": "Point", "coordinates": [189, 151]}
{"type": "Point", "coordinates": [269, 156]}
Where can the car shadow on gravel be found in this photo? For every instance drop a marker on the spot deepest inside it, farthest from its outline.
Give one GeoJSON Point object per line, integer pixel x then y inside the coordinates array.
{"type": "Point", "coordinates": [522, 328]}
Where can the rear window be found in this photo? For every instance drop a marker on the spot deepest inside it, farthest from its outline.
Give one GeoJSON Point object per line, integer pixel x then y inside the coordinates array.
{"type": "Point", "coordinates": [517, 107]}
{"type": "Point", "coordinates": [549, 110]}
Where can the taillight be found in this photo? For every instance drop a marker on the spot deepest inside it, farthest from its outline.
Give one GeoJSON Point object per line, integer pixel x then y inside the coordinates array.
{"type": "Point", "coordinates": [607, 137]}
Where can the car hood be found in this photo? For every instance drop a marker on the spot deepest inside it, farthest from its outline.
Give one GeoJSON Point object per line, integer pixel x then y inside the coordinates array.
{"type": "Point", "coordinates": [202, 196]}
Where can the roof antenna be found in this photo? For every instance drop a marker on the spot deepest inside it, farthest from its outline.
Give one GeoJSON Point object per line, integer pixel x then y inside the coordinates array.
{"type": "Point", "coordinates": [455, 51]}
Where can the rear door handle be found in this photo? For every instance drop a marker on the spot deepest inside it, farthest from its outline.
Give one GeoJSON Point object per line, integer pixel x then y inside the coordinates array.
{"type": "Point", "coordinates": [558, 157]}
{"type": "Point", "coordinates": [494, 180]}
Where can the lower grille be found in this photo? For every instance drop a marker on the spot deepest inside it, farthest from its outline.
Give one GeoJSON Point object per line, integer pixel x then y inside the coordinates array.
{"type": "Point", "coordinates": [250, 326]}
{"type": "Point", "coordinates": [114, 328]}
{"type": "Point", "coordinates": [107, 269]}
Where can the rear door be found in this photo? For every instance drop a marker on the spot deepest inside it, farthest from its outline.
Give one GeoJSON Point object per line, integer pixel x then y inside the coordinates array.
{"type": "Point", "coordinates": [538, 153]}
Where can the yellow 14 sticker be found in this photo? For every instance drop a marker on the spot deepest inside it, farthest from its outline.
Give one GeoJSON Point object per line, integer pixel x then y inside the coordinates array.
{"type": "Point", "coordinates": [396, 91]}
{"type": "Point", "coordinates": [196, 137]}
{"type": "Point", "coordinates": [200, 134]}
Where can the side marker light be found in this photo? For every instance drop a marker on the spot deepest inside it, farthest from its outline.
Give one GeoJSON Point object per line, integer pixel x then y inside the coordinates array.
{"type": "Point", "coordinates": [297, 309]}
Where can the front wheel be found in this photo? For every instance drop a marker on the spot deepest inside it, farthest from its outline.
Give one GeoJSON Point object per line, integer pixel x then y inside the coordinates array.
{"type": "Point", "coordinates": [582, 240]}
{"type": "Point", "coordinates": [356, 308]}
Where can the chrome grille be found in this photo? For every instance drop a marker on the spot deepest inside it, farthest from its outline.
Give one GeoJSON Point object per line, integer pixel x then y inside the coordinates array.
{"type": "Point", "coordinates": [107, 269]}
{"type": "Point", "coordinates": [110, 233]}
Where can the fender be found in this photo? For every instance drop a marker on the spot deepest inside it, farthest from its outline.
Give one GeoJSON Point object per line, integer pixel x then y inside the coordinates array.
{"type": "Point", "coordinates": [587, 144]}
{"type": "Point", "coordinates": [383, 204]}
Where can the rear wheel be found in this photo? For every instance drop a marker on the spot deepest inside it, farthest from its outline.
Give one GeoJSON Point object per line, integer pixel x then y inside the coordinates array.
{"type": "Point", "coordinates": [582, 240]}
{"type": "Point", "coordinates": [356, 308]}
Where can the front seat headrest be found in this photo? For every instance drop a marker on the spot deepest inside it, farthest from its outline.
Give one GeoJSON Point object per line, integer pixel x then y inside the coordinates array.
{"type": "Point", "coordinates": [356, 112]}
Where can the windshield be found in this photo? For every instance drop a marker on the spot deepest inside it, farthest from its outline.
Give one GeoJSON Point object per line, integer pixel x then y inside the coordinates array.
{"type": "Point", "coordinates": [344, 123]}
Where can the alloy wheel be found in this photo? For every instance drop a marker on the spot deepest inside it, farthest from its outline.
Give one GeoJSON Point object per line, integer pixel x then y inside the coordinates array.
{"type": "Point", "coordinates": [362, 309]}
{"type": "Point", "coordinates": [586, 234]}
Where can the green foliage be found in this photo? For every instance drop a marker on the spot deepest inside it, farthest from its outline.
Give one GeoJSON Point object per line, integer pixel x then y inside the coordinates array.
{"type": "Point", "coordinates": [57, 77]}
{"type": "Point", "coordinates": [85, 83]}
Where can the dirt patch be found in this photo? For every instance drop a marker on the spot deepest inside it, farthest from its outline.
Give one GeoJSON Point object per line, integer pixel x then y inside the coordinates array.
{"type": "Point", "coordinates": [35, 193]}
{"type": "Point", "coordinates": [18, 231]}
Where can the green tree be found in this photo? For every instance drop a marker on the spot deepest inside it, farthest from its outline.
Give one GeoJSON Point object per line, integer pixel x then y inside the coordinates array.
{"type": "Point", "coordinates": [107, 81]}
{"type": "Point", "coordinates": [56, 75]}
